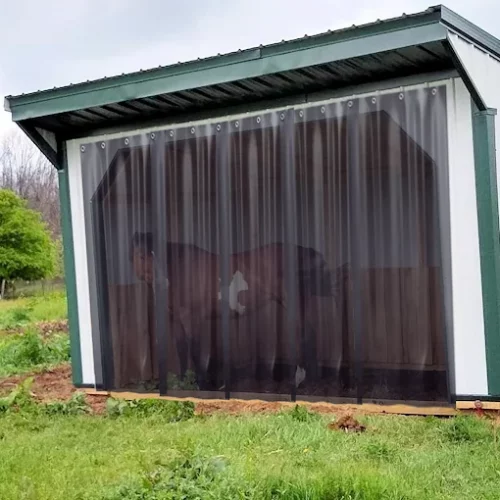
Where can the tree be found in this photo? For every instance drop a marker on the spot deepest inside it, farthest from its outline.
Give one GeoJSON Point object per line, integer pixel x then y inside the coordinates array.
{"type": "Point", "coordinates": [26, 249]}
{"type": "Point", "coordinates": [24, 170]}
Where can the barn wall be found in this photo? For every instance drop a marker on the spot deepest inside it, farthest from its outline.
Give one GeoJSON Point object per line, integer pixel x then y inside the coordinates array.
{"type": "Point", "coordinates": [484, 69]}
{"type": "Point", "coordinates": [468, 323]}
{"type": "Point", "coordinates": [81, 266]}
{"type": "Point", "coordinates": [467, 302]}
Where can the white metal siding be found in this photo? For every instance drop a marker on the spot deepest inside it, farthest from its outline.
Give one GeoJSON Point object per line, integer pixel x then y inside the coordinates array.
{"type": "Point", "coordinates": [468, 324]}
{"type": "Point", "coordinates": [484, 70]}
{"type": "Point", "coordinates": [81, 267]}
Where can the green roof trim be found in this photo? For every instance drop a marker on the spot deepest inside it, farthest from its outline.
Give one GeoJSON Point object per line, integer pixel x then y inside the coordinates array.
{"type": "Point", "coordinates": [225, 69]}
{"type": "Point", "coordinates": [416, 30]}
{"type": "Point", "coordinates": [469, 30]}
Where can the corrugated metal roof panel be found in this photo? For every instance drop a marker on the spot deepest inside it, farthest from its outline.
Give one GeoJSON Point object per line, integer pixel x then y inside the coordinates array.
{"type": "Point", "coordinates": [383, 49]}
{"type": "Point", "coordinates": [403, 62]}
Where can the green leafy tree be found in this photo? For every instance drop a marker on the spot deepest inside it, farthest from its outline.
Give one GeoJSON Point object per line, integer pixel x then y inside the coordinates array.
{"type": "Point", "coordinates": [26, 249]}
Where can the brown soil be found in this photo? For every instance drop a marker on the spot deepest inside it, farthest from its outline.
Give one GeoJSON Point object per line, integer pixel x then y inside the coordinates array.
{"type": "Point", "coordinates": [56, 385]}
{"type": "Point", "coordinates": [347, 423]}
{"type": "Point", "coordinates": [46, 328]}
{"type": "Point", "coordinates": [49, 327]}
{"type": "Point", "coordinates": [53, 385]}
{"type": "Point", "coordinates": [238, 407]}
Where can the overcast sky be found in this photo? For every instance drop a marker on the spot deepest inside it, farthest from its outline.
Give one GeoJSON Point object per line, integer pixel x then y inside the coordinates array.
{"type": "Point", "coordinates": [55, 42]}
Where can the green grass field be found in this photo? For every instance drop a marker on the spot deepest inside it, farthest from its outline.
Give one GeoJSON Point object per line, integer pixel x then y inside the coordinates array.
{"type": "Point", "coordinates": [22, 348]}
{"type": "Point", "coordinates": [154, 450]}
{"type": "Point", "coordinates": [248, 457]}
{"type": "Point", "coordinates": [26, 311]}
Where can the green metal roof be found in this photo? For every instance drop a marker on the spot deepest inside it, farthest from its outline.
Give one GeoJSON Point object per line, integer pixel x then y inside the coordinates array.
{"type": "Point", "coordinates": [402, 46]}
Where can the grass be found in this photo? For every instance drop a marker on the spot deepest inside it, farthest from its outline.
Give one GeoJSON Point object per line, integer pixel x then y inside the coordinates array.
{"type": "Point", "coordinates": [159, 450]}
{"type": "Point", "coordinates": [146, 454]}
{"type": "Point", "coordinates": [19, 313]}
{"type": "Point", "coordinates": [26, 350]}
{"type": "Point", "coordinates": [29, 352]}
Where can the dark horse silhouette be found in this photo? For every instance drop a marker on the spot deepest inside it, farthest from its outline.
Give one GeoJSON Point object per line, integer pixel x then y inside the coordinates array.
{"type": "Point", "coordinates": [258, 276]}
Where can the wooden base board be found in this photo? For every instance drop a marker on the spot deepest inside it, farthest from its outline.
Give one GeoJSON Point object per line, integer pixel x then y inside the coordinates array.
{"type": "Point", "coordinates": [367, 408]}
{"type": "Point", "coordinates": [485, 405]}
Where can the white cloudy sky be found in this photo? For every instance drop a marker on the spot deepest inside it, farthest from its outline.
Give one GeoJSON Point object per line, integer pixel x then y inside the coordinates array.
{"type": "Point", "coordinates": [55, 42]}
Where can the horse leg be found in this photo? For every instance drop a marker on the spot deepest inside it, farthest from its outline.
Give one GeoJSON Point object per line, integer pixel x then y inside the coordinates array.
{"type": "Point", "coordinates": [309, 349]}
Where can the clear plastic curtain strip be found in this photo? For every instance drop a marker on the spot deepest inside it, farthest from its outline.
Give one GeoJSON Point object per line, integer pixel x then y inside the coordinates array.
{"type": "Point", "coordinates": [298, 253]}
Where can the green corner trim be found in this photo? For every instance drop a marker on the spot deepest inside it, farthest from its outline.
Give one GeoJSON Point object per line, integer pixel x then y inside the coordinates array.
{"type": "Point", "coordinates": [69, 271]}
{"type": "Point", "coordinates": [489, 238]}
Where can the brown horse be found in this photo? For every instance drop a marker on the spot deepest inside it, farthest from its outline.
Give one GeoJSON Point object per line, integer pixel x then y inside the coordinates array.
{"type": "Point", "coordinates": [259, 276]}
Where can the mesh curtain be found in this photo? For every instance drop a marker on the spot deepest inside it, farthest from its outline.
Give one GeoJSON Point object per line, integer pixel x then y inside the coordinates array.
{"type": "Point", "coordinates": [298, 253]}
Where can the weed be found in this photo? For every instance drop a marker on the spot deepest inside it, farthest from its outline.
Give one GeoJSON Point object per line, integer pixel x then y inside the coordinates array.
{"type": "Point", "coordinates": [15, 317]}
{"type": "Point", "coordinates": [466, 428]}
{"type": "Point", "coordinates": [300, 413]}
{"type": "Point", "coordinates": [170, 411]}
{"type": "Point", "coordinates": [21, 313]}
{"type": "Point", "coordinates": [77, 405]}
{"type": "Point", "coordinates": [29, 352]}
{"type": "Point", "coordinates": [188, 383]}
{"type": "Point", "coordinates": [191, 477]}
{"type": "Point", "coordinates": [19, 399]}
{"type": "Point", "coordinates": [379, 451]}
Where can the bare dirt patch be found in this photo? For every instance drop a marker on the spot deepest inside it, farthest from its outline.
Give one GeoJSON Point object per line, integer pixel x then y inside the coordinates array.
{"type": "Point", "coordinates": [56, 385]}
{"type": "Point", "coordinates": [238, 407]}
{"type": "Point", "coordinates": [46, 328]}
{"type": "Point", "coordinates": [53, 385]}
{"type": "Point", "coordinates": [347, 423]}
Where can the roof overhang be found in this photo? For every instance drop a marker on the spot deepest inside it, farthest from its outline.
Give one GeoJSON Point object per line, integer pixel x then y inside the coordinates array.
{"type": "Point", "coordinates": [400, 47]}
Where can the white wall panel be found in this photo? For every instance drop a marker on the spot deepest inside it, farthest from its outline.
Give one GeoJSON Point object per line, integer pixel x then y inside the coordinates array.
{"type": "Point", "coordinates": [81, 266]}
{"type": "Point", "coordinates": [468, 323]}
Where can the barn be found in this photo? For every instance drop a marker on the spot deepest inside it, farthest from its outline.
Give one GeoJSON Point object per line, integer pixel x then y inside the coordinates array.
{"type": "Point", "coordinates": [315, 219]}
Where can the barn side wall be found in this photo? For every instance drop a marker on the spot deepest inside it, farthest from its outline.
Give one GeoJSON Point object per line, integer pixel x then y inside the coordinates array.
{"type": "Point", "coordinates": [464, 275]}
{"type": "Point", "coordinates": [484, 71]}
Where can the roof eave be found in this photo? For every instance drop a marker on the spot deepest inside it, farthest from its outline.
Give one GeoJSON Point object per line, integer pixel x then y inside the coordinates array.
{"type": "Point", "coordinates": [373, 39]}
{"type": "Point", "coordinates": [473, 33]}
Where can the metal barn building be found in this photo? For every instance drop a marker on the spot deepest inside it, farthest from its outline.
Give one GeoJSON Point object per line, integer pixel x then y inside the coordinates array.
{"type": "Point", "coordinates": [315, 219]}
